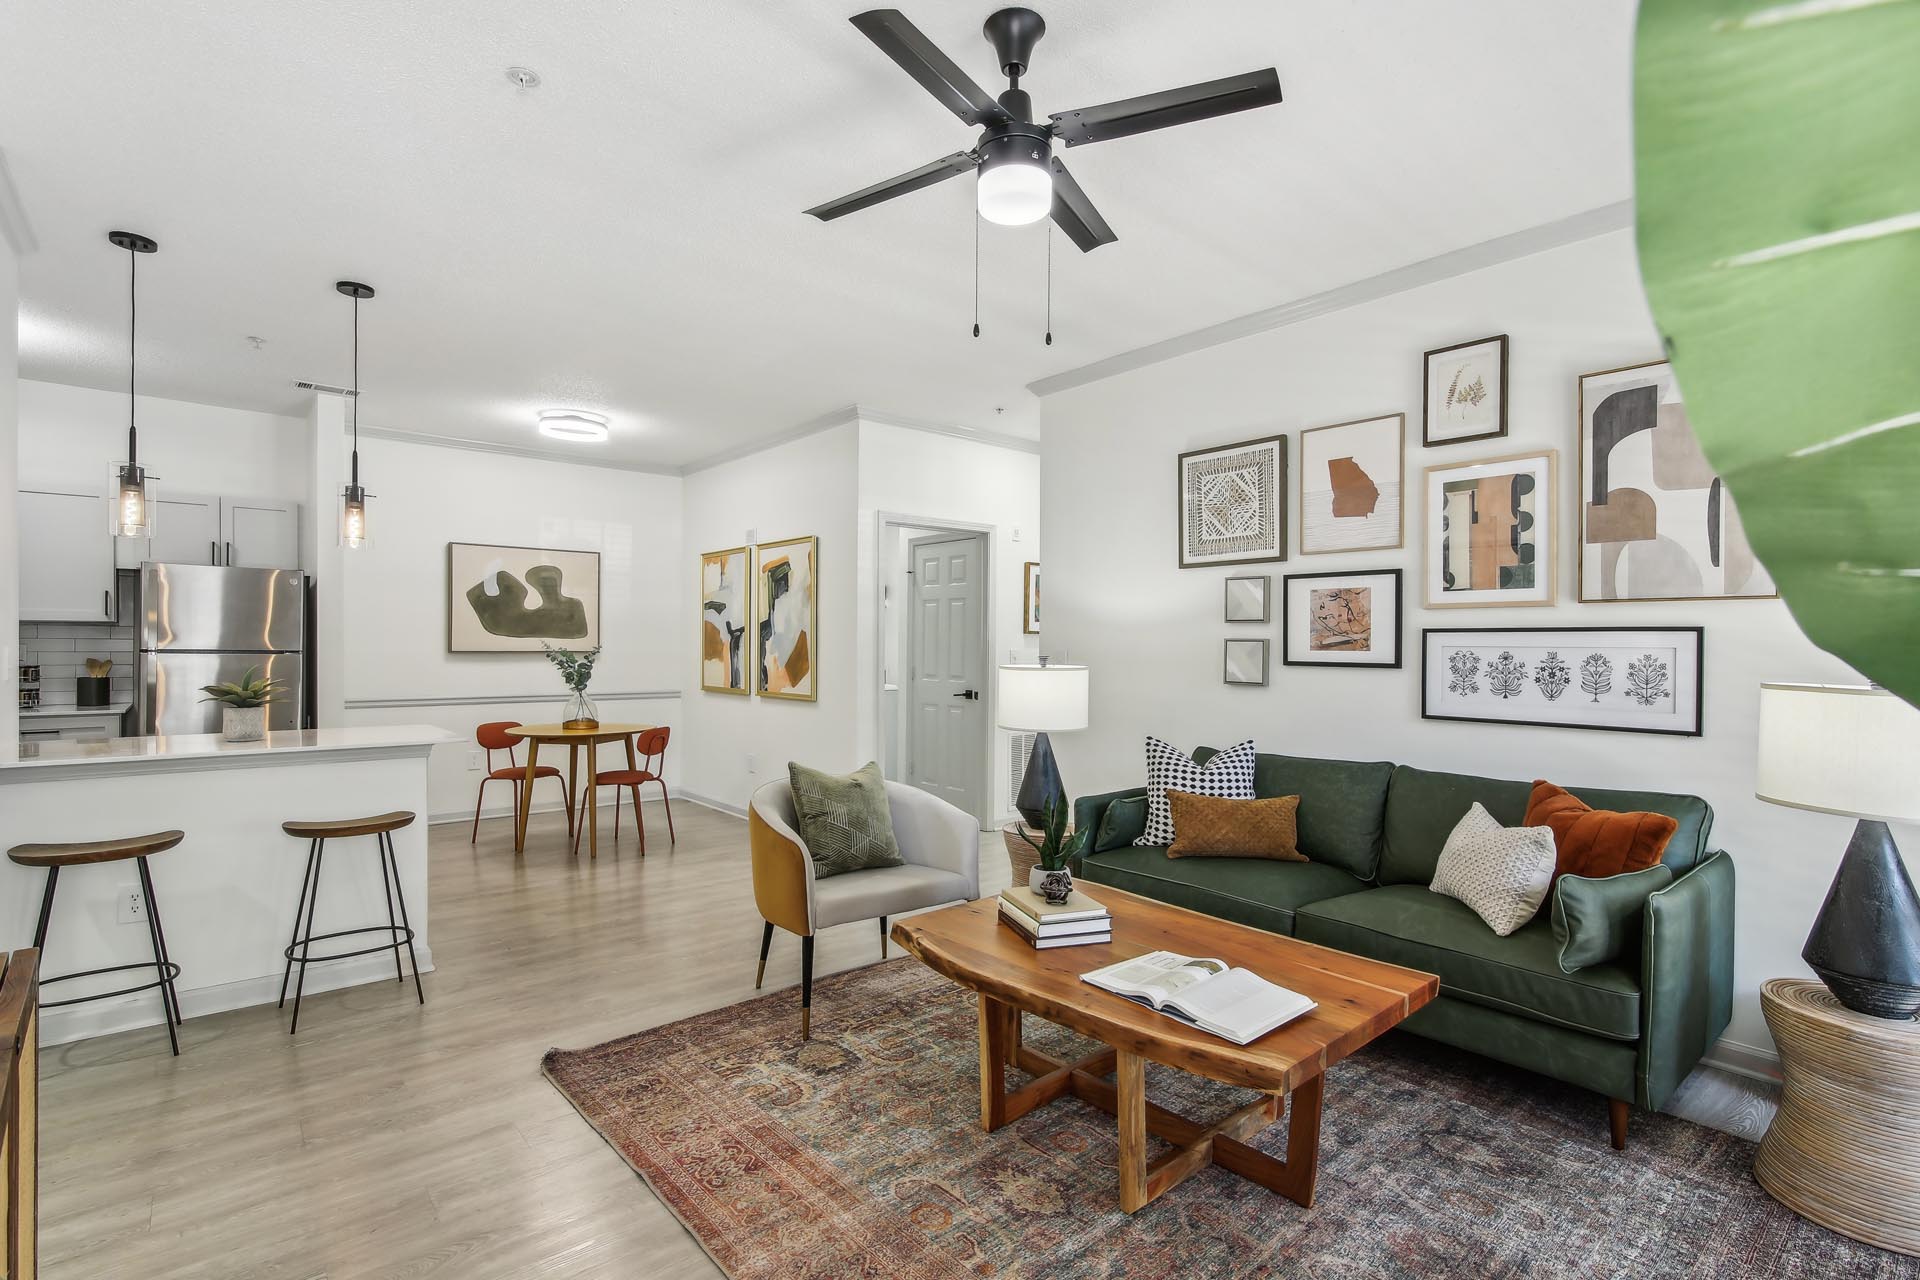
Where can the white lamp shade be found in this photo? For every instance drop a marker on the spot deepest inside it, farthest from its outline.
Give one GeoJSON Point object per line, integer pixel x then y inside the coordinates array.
{"type": "Point", "coordinates": [1014, 195]}
{"type": "Point", "coordinates": [1846, 749]}
{"type": "Point", "coordinates": [1049, 699]}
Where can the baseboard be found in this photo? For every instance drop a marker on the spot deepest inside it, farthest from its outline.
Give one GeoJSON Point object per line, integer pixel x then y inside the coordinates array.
{"type": "Point", "coordinates": [128, 1013]}
{"type": "Point", "coordinates": [708, 802]}
{"type": "Point", "coordinates": [1744, 1060]}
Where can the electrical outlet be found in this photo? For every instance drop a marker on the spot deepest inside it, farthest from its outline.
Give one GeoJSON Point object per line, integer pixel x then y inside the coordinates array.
{"type": "Point", "coordinates": [133, 907]}
{"type": "Point", "coordinates": [476, 761]}
{"type": "Point", "coordinates": [753, 764]}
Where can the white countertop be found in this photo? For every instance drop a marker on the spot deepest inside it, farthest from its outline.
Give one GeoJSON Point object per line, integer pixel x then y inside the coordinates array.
{"type": "Point", "coordinates": [96, 713]}
{"type": "Point", "coordinates": [210, 750]}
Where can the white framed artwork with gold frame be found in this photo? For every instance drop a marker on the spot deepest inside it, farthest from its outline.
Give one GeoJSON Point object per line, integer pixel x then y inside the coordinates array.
{"type": "Point", "coordinates": [1489, 527]}
{"type": "Point", "coordinates": [786, 616]}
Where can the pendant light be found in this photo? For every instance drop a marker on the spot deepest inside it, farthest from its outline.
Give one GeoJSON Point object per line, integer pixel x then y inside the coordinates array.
{"type": "Point", "coordinates": [131, 515]}
{"type": "Point", "coordinates": [353, 498]}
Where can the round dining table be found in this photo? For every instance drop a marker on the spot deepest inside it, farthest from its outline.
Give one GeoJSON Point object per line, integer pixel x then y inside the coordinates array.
{"type": "Point", "coordinates": [536, 735]}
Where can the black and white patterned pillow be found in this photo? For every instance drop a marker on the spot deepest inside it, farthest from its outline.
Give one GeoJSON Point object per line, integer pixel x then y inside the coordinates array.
{"type": "Point", "coordinates": [1228, 775]}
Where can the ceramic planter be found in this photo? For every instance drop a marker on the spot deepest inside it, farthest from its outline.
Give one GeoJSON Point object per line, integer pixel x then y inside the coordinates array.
{"type": "Point", "coordinates": [243, 724]}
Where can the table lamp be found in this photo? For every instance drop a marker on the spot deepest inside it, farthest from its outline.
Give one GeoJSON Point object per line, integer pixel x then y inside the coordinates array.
{"type": "Point", "coordinates": [1042, 698]}
{"type": "Point", "coordinates": [1853, 750]}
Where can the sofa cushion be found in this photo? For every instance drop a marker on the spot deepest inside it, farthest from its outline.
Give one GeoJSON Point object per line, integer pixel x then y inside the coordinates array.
{"type": "Point", "coordinates": [1410, 925]}
{"type": "Point", "coordinates": [1253, 891]}
{"type": "Point", "coordinates": [1342, 805]}
{"type": "Point", "coordinates": [1423, 807]}
{"type": "Point", "coordinates": [1210, 827]}
{"type": "Point", "coordinates": [1597, 842]}
{"type": "Point", "coordinates": [1121, 823]}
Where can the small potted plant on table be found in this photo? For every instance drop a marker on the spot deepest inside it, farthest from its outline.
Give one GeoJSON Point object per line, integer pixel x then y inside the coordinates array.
{"type": "Point", "coordinates": [576, 669]}
{"type": "Point", "coordinates": [243, 705]}
{"type": "Point", "coordinates": [1050, 878]}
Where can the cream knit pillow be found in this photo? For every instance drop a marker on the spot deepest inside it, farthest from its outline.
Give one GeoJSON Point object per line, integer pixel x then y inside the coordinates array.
{"type": "Point", "coordinates": [1503, 873]}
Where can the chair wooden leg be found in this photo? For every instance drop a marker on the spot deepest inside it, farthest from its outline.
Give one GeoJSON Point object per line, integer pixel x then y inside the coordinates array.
{"type": "Point", "coordinates": [806, 987]}
{"type": "Point", "coordinates": [479, 797]}
{"type": "Point", "coordinates": [580, 827]}
{"type": "Point", "coordinates": [1618, 1113]}
{"type": "Point", "coordinates": [766, 945]}
{"type": "Point", "coordinates": [616, 813]}
{"type": "Point", "coordinates": [567, 786]}
{"type": "Point", "coordinates": [666, 802]}
{"type": "Point", "coordinates": [640, 821]}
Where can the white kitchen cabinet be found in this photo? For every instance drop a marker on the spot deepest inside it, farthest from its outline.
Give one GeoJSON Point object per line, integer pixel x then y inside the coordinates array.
{"type": "Point", "coordinates": [257, 533]}
{"type": "Point", "coordinates": [250, 533]}
{"type": "Point", "coordinates": [66, 557]}
{"type": "Point", "coordinates": [186, 530]}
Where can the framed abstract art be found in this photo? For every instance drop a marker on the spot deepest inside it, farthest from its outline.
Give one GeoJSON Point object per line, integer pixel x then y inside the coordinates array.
{"type": "Point", "coordinates": [1345, 619]}
{"type": "Point", "coordinates": [1233, 503]}
{"type": "Point", "coordinates": [1030, 600]}
{"type": "Point", "coordinates": [519, 599]}
{"type": "Point", "coordinates": [1248, 599]}
{"type": "Point", "coordinates": [1350, 485]}
{"type": "Point", "coordinates": [1656, 523]}
{"type": "Point", "coordinates": [1489, 532]}
{"type": "Point", "coordinates": [726, 620]}
{"type": "Point", "coordinates": [1465, 392]}
{"type": "Point", "coordinates": [786, 619]}
{"type": "Point", "coordinates": [1632, 679]}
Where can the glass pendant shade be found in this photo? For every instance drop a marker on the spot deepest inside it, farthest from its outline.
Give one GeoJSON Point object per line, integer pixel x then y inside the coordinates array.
{"type": "Point", "coordinates": [353, 518]}
{"type": "Point", "coordinates": [1014, 195]}
{"type": "Point", "coordinates": [131, 513]}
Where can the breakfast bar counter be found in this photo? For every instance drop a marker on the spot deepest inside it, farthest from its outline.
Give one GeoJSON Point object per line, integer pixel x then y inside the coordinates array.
{"type": "Point", "coordinates": [227, 893]}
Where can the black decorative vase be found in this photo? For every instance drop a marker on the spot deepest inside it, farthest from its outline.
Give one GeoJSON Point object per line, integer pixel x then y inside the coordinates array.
{"type": "Point", "coordinates": [1865, 943]}
{"type": "Point", "coordinates": [1040, 786]}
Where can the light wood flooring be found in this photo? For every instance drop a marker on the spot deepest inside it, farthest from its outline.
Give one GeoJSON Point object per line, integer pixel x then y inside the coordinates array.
{"type": "Point", "coordinates": [390, 1140]}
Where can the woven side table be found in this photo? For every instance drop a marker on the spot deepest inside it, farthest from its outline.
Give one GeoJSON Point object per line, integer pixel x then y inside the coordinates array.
{"type": "Point", "coordinates": [1844, 1148]}
{"type": "Point", "coordinates": [1021, 856]}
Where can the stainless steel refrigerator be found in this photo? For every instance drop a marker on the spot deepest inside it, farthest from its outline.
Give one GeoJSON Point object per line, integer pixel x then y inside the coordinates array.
{"type": "Point", "coordinates": [201, 625]}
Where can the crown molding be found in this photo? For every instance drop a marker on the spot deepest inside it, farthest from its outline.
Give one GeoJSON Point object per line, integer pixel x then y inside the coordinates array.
{"type": "Point", "coordinates": [799, 431]}
{"type": "Point", "coordinates": [14, 227]}
{"type": "Point", "coordinates": [1455, 262]}
{"type": "Point", "coordinates": [978, 435]}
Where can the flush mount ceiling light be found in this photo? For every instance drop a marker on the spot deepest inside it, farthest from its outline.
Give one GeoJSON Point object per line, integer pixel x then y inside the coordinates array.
{"type": "Point", "coordinates": [573, 424]}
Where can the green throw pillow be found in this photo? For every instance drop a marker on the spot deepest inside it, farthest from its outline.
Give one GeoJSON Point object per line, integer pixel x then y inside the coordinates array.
{"type": "Point", "coordinates": [1596, 920]}
{"type": "Point", "coordinates": [1124, 821]}
{"type": "Point", "coordinates": [844, 820]}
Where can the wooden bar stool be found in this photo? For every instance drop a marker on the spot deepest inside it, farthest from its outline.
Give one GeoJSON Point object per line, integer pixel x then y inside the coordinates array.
{"type": "Point", "coordinates": [399, 932]}
{"type": "Point", "coordinates": [55, 856]}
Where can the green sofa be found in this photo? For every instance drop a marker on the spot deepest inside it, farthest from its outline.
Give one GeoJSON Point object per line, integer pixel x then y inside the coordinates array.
{"type": "Point", "coordinates": [1630, 1030]}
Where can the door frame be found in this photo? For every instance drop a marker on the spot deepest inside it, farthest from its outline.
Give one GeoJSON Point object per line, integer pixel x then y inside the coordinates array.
{"type": "Point", "coordinates": [884, 525]}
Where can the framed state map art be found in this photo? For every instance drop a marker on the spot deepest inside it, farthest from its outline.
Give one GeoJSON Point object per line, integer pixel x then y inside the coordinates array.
{"type": "Point", "coordinates": [1350, 485]}
{"type": "Point", "coordinates": [1636, 679]}
{"type": "Point", "coordinates": [1656, 523]}
{"type": "Point", "coordinates": [1233, 503]}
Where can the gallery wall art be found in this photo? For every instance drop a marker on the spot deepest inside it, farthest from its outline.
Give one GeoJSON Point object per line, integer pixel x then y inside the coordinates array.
{"type": "Point", "coordinates": [1489, 532]}
{"type": "Point", "coordinates": [1248, 600]}
{"type": "Point", "coordinates": [1466, 392]}
{"type": "Point", "coordinates": [1246, 662]}
{"type": "Point", "coordinates": [786, 619]}
{"type": "Point", "coordinates": [1634, 679]}
{"type": "Point", "coordinates": [1233, 503]}
{"type": "Point", "coordinates": [1345, 619]}
{"type": "Point", "coordinates": [1656, 523]}
{"type": "Point", "coordinates": [517, 599]}
{"type": "Point", "coordinates": [726, 620]}
{"type": "Point", "coordinates": [1350, 485]}
{"type": "Point", "coordinates": [1030, 600]}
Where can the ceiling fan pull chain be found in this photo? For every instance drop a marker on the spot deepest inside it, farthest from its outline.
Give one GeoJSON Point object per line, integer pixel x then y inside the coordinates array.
{"type": "Point", "coordinates": [976, 275]}
{"type": "Point", "coordinates": [1049, 284]}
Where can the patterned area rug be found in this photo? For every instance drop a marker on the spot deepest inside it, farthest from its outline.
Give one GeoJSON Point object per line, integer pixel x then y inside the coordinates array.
{"type": "Point", "coordinates": [860, 1154]}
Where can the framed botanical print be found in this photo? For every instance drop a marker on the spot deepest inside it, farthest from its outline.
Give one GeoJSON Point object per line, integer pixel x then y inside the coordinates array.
{"type": "Point", "coordinates": [1350, 485]}
{"type": "Point", "coordinates": [1489, 532]}
{"type": "Point", "coordinates": [1233, 503]}
{"type": "Point", "coordinates": [520, 599]}
{"type": "Point", "coordinates": [1246, 662]}
{"type": "Point", "coordinates": [1345, 619]}
{"type": "Point", "coordinates": [1030, 600]}
{"type": "Point", "coordinates": [1247, 600]}
{"type": "Point", "coordinates": [1656, 522]}
{"type": "Point", "coordinates": [786, 619]}
{"type": "Point", "coordinates": [726, 618]}
{"type": "Point", "coordinates": [1632, 679]}
{"type": "Point", "coordinates": [1465, 392]}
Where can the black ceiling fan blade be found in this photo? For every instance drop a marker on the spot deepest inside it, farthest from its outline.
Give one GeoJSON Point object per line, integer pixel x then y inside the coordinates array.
{"type": "Point", "coordinates": [1075, 213]}
{"type": "Point", "coordinates": [920, 58]}
{"type": "Point", "coordinates": [925, 176]}
{"type": "Point", "coordinates": [1168, 107]}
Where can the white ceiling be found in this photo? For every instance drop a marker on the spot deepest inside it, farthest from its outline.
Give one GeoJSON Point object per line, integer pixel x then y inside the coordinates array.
{"type": "Point", "coordinates": [628, 237]}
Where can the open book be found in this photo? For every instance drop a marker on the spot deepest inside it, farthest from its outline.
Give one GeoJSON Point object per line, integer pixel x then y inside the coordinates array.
{"type": "Point", "coordinates": [1234, 1004]}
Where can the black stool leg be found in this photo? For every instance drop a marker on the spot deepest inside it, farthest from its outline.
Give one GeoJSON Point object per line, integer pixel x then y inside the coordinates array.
{"type": "Point", "coordinates": [400, 895]}
{"type": "Point", "coordinates": [172, 987]}
{"type": "Point", "coordinates": [46, 912]}
{"type": "Point", "coordinates": [393, 930]}
{"type": "Point", "coordinates": [305, 940]}
{"type": "Point", "coordinates": [159, 958]}
{"type": "Point", "coordinates": [306, 878]}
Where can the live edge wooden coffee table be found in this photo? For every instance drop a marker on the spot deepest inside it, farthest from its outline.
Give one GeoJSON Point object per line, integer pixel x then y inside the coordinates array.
{"type": "Point", "coordinates": [1358, 998]}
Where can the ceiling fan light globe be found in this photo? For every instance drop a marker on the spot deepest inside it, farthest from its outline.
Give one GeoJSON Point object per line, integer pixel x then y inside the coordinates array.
{"type": "Point", "coordinates": [1015, 195]}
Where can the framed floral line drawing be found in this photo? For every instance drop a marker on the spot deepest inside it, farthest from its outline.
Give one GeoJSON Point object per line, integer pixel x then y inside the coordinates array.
{"type": "Point", "coordinates": [1465, 392]}
{"type": "Point", "coordinates": [1630, 679]}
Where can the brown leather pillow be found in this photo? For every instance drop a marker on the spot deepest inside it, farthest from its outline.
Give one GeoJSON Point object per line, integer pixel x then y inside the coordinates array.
{"type": "Point", "coordinates": [1212, 827]}
{"type": "Point", "coordinates": [1597, 842]}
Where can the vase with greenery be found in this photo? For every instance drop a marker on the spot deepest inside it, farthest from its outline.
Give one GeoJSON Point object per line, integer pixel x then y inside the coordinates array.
{"type": "Point", "coordinates": [576, 669]}
{"type": "Point", "coordinates": [1051, 878]}
{"type": "Point", "coordinates": [243, 705]}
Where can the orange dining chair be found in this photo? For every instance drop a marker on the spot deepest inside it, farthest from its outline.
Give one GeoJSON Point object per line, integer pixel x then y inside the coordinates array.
{"type": "Point", "coordinates": [494, 737]}
{"type": "Point", "coordinates": [651, 747]}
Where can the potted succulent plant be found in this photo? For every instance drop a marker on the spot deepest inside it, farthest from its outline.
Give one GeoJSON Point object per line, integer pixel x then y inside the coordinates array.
{"type": "Point", "coordinates": [576, 669]}
{"type": "Point", "coordinates": [1051, 878]}
{"type": "Point", "coordinates": [243, 705]}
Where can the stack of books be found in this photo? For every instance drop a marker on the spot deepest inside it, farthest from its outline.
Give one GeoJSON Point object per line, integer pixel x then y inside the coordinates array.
{"type": "Point", "coordinates": [1077, 922]}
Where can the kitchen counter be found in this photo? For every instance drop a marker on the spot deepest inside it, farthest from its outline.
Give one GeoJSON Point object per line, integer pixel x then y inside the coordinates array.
{"type": "Point", "coordinates": [90, 713]}
{"type": "Point", "coordinates": [227, 891]}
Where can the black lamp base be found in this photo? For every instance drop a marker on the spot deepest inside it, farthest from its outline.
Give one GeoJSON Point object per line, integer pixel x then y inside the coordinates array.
{"type": "Point", "coordinates": [1865, 943]}
{"type": "Point", "coordinates": [1041, 784]}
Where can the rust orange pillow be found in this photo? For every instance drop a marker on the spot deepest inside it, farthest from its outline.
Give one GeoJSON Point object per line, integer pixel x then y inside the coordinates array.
{"type": "Point", "coordinates": [1597, 842]}
{"type": "Point", "coordinates": [1213, 827]}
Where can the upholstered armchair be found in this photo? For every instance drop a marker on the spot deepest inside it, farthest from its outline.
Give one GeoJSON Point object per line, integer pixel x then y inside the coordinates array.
{"type": "Point", "coordinates": [940, 852]}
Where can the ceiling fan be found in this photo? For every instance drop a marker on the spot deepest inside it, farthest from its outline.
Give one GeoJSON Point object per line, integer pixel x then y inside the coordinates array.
{"type": "Point", "coordinates": [1020, 180]}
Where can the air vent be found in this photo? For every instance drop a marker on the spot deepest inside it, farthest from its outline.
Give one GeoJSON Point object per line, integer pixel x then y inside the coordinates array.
{"type": "Point", "coordinates": [326, 387]}
{"type": "Point", "coordinates": [1022, 744]}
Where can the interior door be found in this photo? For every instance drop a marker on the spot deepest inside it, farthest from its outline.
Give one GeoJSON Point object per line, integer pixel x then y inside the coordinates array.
{"type": "Point", "coordinates": [259, 534]}
{"type": "Point", "coordinates": [947, 720]}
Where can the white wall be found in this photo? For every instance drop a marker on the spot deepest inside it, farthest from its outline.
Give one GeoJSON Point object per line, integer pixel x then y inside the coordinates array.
{"type": "Point", "coordinates": [805, 486]}
{"type": "Point", "coordinates": [395, 599]}
{"type": "Point", "coordinates": [1152, 631]}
